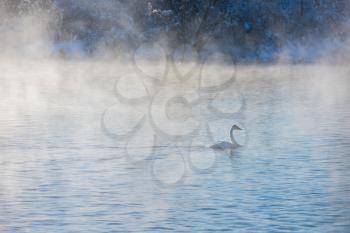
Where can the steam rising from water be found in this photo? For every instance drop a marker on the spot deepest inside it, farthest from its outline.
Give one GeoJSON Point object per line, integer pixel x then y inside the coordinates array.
{"type": "Point", "coordinates": [66, 97]}
{"type": "Point", "coordinates": [296, 114]}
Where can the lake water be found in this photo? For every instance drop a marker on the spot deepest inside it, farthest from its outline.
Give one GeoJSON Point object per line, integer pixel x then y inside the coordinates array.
{"type": "Point", "coordinates": [62, 172]}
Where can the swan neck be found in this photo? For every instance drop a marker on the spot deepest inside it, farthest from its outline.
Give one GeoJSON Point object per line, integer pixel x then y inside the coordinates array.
{"type": "Point", "coordinates": [231, 135]}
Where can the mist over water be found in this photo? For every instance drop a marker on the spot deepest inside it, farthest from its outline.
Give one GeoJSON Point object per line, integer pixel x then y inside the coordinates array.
{"type": "Point", "coordinates": [120, 143]}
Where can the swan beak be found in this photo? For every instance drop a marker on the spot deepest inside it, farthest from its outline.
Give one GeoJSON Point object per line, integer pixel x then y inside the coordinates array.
{"type": "Point", "coordinates": [236, 127]}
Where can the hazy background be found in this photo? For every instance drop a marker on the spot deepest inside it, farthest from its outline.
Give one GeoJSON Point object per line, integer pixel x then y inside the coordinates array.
{"type": "Point", "coordinates": [249, 31]}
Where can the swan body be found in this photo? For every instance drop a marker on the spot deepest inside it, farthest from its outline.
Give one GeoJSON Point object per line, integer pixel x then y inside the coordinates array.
{"type": "Point", "coordinates": [227, 145]}
{"type": "Point", "coordinates": [223, 146]}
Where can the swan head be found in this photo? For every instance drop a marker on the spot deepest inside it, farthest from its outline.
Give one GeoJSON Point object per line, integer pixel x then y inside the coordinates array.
{"type": "Point", "coordinates": [236, 127]}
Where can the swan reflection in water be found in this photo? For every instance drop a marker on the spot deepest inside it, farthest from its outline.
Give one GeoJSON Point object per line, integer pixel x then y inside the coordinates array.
{"type": "Point", "coordinates": [228, 146]}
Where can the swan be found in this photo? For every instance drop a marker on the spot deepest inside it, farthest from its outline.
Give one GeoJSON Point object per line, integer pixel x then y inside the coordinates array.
{"type": "Point", "coordinates": [227, 145]}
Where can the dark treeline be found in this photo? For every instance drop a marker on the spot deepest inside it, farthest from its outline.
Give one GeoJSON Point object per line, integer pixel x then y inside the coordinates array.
{"type": "Point", "coordinates": [249, 30]}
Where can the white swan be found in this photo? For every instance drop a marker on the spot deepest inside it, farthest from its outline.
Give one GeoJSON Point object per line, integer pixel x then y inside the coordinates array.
{"type": "Point", "coordinates": [227, 145]}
